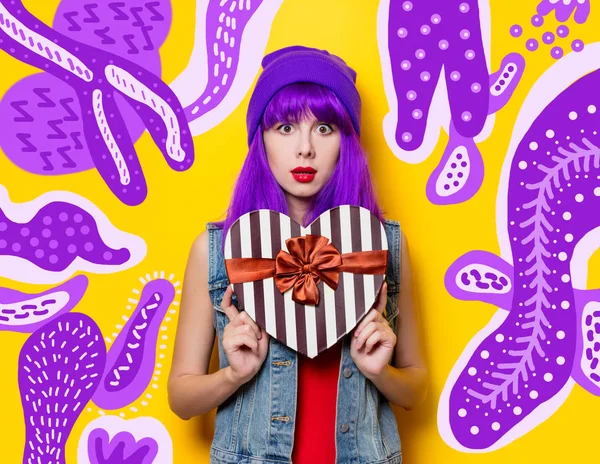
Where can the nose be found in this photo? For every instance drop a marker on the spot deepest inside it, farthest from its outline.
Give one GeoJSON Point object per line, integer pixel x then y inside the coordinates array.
{"type": "Point", "coordinates": [305, 146]}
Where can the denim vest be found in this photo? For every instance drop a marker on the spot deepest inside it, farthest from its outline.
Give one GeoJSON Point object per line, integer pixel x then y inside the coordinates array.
{"type": "Point", "coordinates": [255, 425]}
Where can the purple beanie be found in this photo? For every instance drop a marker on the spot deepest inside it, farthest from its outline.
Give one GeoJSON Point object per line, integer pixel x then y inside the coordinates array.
{"type": "Point", "coordinates": [301, 64]}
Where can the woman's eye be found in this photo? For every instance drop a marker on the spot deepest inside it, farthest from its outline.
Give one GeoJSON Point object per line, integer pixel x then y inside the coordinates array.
{"type": "Point", "coordinates": [324, 129]}
{"type": "Point", "coordinates": [285, 128]}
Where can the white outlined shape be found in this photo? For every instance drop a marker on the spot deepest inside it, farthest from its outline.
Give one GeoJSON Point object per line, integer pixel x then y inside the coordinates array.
{"type": "Point", "coordinates": [190, 84]}
{"type": "Point", "coordinates": [553, 82]}
{"type": "Point", "coordinates": [19, 269]}
{"type": "Point", "coordinates": [439, 112]}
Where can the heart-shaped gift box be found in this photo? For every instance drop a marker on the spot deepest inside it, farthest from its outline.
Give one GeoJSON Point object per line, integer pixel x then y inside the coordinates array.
{"type": "Point", "coordinates": [307, 286]}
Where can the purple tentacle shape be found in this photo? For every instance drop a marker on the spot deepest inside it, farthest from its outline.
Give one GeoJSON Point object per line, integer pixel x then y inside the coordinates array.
{"type": "Point", "coordinates": [50, 238]}
{"type": "Point", "coordinates": [60, 366]}
{"type": "Point", "coordinates": [131, 358]}
{"type": "Point", "coordinates": [51, 142]}
{"type": "Point", "coordinates": [521, 367]}
{"type": "Point", "coordinates": [229, 43]}
{"type": "Point", "coordinates": [20, 312]}
{"type": "Point", "coordinates": [96, 76]}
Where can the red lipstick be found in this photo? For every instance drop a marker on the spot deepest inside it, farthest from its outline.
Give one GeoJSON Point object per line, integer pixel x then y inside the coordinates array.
{"type": "Point", "coordinates": [304, 173]}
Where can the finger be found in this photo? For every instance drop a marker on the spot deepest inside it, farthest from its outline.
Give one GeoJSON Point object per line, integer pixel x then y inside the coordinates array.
{"type": "Point", "coordinates": [245, 340]}
{"type": "Point", "coordinates": [375, 338]}
{"type": "Point", "coordinates": [382, 300]}
{"type": "Point", "coordinates": [366, 333]}
{"type": "Point", "coordinates": [247, 320]}
{"type": "Point", "coordinates": [230, 310]}
{"type": "Point", "coordinates": [371, 316]}
{"type": "Point", "coordinates": [244, 329]}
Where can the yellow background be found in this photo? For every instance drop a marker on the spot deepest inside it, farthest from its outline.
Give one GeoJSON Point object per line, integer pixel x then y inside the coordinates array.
{"type": "Point", "coordinates": [179, 205]}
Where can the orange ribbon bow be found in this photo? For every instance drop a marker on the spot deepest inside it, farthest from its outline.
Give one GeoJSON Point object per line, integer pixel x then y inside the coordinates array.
{"type": "Point", "coordinates": [310, 259]}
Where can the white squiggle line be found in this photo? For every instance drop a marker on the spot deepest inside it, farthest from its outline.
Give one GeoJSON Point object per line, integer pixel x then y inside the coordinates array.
{"type": "Point", "coordinates": [42, 46]}
{"type": "Point", "coordinates": [118, 78]}
{"type": "Point", "coordinates": [190, 84]}
{"type": "Point", "coordinates": [109, 140]}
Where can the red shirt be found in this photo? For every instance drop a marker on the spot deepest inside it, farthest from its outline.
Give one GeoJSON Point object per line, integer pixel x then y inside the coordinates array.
{"type": "Point", "coordinates": [314, 433]}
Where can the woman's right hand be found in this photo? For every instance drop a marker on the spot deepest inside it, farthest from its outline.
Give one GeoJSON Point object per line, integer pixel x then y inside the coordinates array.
{"type": "Point", "coordinates": [244, 342]}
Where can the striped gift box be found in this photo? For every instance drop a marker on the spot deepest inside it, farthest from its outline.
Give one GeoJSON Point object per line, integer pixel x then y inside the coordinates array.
{"type": "Point", "coordinates": [307, 329]}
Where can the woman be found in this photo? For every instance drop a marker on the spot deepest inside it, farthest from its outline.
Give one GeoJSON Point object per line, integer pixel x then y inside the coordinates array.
{"type": "Point", "coordinates": [274, 404]}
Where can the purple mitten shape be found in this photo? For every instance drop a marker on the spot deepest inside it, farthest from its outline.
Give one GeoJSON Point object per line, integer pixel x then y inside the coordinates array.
{"type": "Point", "coordinates": [20, 312]}
{"type": "Point", "coordinates": [230, 39]}
{"type": "Point", "coordinates": [130, 360]}
{"type": "Point", "coordinates": [60, 366]}
{"type": "Point", "coordinates": [112, 440]}
{"type": "Point", "coordinates": [422, 39]}
{"type": "Point", "coordinates": [418, 40]}
{"type": "Point", "coordinates": [517, 370]}
{"type": "Point", "coordinates": [564, 9]}
{"type": "Point", "coordinates": [47, 239]}
{"type": "Point", "coordinates": [121, 449]}
{"type": "Point", "coordinates": [96, 76]}
{"type": "Point", "coordinates": [40, 113]}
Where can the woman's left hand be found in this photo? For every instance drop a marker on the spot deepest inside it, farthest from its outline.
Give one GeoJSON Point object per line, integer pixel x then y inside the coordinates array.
{"type": "Point", "coordinates": [373, 340]}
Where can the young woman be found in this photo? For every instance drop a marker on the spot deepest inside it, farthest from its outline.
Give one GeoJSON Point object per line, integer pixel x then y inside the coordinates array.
{"type": "Point", "coordinates": [275, 405]}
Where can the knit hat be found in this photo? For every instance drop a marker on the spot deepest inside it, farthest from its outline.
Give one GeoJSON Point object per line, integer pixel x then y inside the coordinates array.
{"type": "Point", "coordinates": [302, 64]}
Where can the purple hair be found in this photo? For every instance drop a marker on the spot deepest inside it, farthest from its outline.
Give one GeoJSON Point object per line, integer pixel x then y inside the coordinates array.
{"type": "Point", "coordinates": [350, 183]}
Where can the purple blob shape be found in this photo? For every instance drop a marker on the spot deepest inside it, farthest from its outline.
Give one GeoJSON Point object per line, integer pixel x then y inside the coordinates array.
{"type": "Point", "coordinates": [60, 367]}
{"type": "Point", "coordinates": [22, 312]}
{"type": "Point", "coordinates": [130, 360]}
{"type": "Point", "coordinates": [516, 30]}
{"type": "Point", "coordinates": [533, 349]}
{"type": "Point", "coordinates": [56, 233]}
{"type": "Point", "coordinates": [562, 31]}
{"type": "Point", "coordinates": [470, 185]}
{"type": "Point", "coordinates": [442, 49]}
{"type": "Point", "coordinates": [121, 449]}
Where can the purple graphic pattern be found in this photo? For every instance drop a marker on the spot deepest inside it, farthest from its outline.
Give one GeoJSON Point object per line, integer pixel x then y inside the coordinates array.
{"type": "Point", "coordinates": [544, 338]}
{"type": "Point", "coordinates": [96, 75]}
{"type": "Point", "coordinates": [60, 366]}
{"type": "Point", "coordinates": [41, 114]}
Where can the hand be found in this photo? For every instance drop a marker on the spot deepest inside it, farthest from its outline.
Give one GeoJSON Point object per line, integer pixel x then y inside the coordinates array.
{"type": "Point", "coordinates": [373, 340]}
{"type": "Point", "coordinates": [244, 342]}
